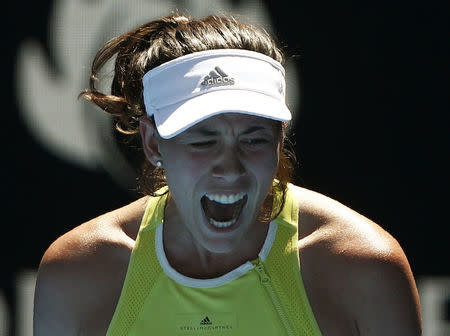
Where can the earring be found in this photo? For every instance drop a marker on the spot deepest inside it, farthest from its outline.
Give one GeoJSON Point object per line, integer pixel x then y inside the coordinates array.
{"type": "Point", "coordinates": [159, 163]}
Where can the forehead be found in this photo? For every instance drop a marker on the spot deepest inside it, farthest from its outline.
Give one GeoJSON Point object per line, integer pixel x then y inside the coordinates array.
{"type": "Point", "coordinates": [234, 121]}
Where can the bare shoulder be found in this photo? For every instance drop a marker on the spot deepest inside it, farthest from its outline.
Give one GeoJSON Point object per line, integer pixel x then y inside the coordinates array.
{"type": "Point", "coordinates": [355, 270]}
{"type": "Point", "coordinates": [81, 274]}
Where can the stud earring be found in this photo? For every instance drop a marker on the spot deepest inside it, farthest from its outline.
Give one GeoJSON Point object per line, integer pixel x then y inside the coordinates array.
{"type": "Point", "coordinates": [159, 164]}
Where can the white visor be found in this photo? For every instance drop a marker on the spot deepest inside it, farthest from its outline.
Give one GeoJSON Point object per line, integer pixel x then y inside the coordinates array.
{"type": "Point", "coordinates": [194, 87]}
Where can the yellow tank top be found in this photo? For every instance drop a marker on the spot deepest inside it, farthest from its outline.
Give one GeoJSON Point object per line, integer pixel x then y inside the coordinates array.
{"type": "Point", "coordinates": [262, 297]}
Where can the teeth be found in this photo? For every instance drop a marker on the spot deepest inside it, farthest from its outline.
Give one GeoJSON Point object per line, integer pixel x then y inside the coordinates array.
{"type": "Point", "coordinates": [222, 224]}
{"type": "Point", "coordinates": [225, 199]}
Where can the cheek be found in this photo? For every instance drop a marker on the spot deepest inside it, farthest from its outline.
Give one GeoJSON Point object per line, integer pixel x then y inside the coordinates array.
{"type": "Point", "coordinates": [196, 162]}
{"type": "Point", "coordinates": [184, 168]}
{"type": "Point", "coordinates": [264, 163]}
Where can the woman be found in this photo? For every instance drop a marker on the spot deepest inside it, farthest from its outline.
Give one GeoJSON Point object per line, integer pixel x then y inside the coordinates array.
{"type": "Point", "coordinates": [215, 246]}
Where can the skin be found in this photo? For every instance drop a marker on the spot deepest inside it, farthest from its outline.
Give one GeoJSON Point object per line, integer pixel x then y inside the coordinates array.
{"type": "Point", "coordinates": [356, 275]}
{"type": "Point", "coordinates": [225, 154]}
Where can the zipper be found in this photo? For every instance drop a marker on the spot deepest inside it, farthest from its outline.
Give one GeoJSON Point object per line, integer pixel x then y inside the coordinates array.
{"type": "Point", "coordinates": [267, 283]}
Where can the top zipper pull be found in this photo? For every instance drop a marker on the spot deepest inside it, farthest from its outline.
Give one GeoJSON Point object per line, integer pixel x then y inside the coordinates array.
{"type": "Point", "coordinates": [264, 277]}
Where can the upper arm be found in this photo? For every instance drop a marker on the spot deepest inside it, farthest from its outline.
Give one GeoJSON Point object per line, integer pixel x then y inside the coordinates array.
{"type": "Point", "coordinates": [79, 281]}
{"type": "Point", "coordinates": [382, 295]}
{"type": "Point", "coordinates": [388, 302]}
{"type": "Point", "coordinates": [356, 270]}
{"type": "Point", "coordinates": [55, 298]}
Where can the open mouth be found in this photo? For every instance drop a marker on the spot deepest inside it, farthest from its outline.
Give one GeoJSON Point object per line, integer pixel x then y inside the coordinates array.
{"type": "Point", "coordinates": [222, 211]}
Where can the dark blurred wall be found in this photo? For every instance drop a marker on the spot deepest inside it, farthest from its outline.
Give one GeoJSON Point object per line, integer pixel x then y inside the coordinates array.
{"type": "Point", "coordinates": [372, 129]}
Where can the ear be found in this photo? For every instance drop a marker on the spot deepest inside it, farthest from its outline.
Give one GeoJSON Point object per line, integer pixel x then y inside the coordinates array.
{"type": "Point", "coordinates": [150, 140]}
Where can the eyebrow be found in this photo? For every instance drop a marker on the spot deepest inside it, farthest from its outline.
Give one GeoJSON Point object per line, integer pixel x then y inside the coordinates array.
{"type": "Point", "coordinates": [253, 129]}
{"type": "Point", "coordinates": [207, 132]}
{"type": "Point", "coordinates": [204, 132]}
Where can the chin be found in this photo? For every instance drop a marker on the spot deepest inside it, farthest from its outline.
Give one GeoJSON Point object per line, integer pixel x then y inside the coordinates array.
{"type": "Point", "coordinates": [220, 248]}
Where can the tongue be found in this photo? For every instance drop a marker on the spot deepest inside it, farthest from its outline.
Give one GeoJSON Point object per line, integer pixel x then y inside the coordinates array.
{"type": "Point", "coordinates": [222, 212]}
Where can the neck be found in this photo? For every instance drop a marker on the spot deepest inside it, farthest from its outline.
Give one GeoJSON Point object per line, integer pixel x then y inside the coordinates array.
{"type": "Point", "coordinates": [191, 259]}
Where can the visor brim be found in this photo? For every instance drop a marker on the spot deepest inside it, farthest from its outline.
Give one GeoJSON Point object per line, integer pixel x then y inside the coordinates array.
{"type": "Point", "coordinates": [173, 119]}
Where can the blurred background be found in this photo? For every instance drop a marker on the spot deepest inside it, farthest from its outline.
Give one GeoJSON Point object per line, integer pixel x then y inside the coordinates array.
{"type": "Point", "coordinates": [368, 83]}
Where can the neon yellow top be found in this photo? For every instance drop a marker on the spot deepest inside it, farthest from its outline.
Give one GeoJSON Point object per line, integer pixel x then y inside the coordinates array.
{"type": "Point", "coordinates": [262, 297]}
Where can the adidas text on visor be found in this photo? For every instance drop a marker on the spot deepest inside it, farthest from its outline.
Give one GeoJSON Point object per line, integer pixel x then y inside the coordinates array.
{"type": "Point", "coordinates": [194, 87]}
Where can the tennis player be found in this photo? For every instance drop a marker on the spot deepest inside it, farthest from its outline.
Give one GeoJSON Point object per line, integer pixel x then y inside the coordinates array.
{"type": "Point", "coordinates": [221, 243]}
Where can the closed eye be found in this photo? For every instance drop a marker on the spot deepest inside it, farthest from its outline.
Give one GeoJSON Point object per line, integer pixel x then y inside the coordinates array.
{"type": "Point", "coordinates": [202, 144]}
{"type": "Point", "coordinates": [254, 141]}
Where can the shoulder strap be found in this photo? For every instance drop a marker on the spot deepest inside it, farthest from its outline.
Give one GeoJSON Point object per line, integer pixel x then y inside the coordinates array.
{"type": "Point", "coordinates": [288, 215]}
{"type": "Point", "coordinates": [143, 271]}
{"type": "Point", "coordinates": [283, 265]}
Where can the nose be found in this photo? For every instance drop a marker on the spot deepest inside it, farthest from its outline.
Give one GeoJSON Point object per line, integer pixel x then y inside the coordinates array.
{"type": "Point", "coordinates": [229, 165]}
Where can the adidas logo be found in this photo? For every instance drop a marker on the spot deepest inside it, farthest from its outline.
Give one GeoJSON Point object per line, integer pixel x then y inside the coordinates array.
{"type": "Point", "coordinates": [217, 77]}
{"type": "Point", "coordinates": [205, 321]}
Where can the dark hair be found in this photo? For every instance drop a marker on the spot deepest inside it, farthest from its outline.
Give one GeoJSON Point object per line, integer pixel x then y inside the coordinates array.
{"type": "Point", "coordinates": [155, 43]}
